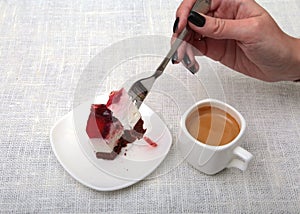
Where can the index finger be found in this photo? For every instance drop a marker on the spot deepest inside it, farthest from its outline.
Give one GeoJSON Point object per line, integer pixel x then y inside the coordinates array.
{"type": "Point", "coordinates": [183, 12]}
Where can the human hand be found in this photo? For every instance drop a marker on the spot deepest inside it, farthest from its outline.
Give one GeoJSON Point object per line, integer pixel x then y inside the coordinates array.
{"type": "Point", "coordinates": [241, 35]}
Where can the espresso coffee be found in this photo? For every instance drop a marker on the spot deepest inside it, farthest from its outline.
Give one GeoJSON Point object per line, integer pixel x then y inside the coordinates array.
{"type": "Point", "coordinates": [212, 126]}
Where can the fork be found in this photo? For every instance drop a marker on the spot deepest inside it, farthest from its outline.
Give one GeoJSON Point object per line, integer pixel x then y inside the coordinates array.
{"type": "Point", "coordinates": [140, 89]}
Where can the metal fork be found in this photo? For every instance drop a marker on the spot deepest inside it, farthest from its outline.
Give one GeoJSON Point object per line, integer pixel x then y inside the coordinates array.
{"type": "Point", "coordinates": [140, 89]}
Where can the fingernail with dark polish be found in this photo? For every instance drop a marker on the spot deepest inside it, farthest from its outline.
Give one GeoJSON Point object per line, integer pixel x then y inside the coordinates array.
{"type": "Point", "coordinates": [193, 69]}
{"type": "Point", "coordinates": [196, 19]}
{"type": "Point", "coordinates": [175, 26]}
{"type": "Point", "coordinates": [175, 58]}
{"type": "Point", "coordinates": [186, 60]}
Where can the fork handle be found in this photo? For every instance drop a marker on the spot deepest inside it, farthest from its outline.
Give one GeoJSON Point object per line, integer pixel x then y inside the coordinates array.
{"type": "Point", "coordinates": [171, 52]}
{"type": "Point", "coordinates": [200, 6]}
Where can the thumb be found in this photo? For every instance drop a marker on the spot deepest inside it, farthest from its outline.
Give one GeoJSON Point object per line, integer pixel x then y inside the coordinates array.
{"type": "Point", "coordinates": [218, 28]}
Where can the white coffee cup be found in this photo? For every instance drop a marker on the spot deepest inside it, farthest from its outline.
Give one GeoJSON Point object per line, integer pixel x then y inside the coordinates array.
{"type": "Point", "coordinates": [213, 159]}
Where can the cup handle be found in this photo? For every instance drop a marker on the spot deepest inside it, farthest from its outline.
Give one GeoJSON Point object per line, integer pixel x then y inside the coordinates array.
{"type": "Point", "coordinates": [242, 159]}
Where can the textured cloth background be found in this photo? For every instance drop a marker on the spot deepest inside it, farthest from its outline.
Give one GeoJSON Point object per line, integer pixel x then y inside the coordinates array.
{"type": "Point", "coordinates": [45, 46]}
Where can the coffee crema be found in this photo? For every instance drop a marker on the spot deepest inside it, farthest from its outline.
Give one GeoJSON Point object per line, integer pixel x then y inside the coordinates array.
{"type": "Point", "coordinates": [212, 126]}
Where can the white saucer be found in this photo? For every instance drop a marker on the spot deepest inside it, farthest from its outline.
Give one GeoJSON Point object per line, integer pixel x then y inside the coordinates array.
{"type": "Point", "coordinates": [71, 147]}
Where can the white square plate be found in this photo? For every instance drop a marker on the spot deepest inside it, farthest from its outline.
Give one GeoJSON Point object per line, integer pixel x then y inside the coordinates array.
{"type": "Point", "coordinates": [71, 146]}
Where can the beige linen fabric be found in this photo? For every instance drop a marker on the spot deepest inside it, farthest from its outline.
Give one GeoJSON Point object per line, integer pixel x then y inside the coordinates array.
{"type": "Point", "coordinates": [45, 47]}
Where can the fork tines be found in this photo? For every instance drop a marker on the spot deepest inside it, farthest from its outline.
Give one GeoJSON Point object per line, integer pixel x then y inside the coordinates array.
{"type": "Point", "coordinates": [138, 93]}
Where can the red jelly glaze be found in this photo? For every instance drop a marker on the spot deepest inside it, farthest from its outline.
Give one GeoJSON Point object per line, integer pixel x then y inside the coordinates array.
{"type": "Point", "coordinates": [114, 97]}
{"type": "Point", "coordinates": [99, 122]}
{"type": "Point", "coordinates": [150, 142]}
